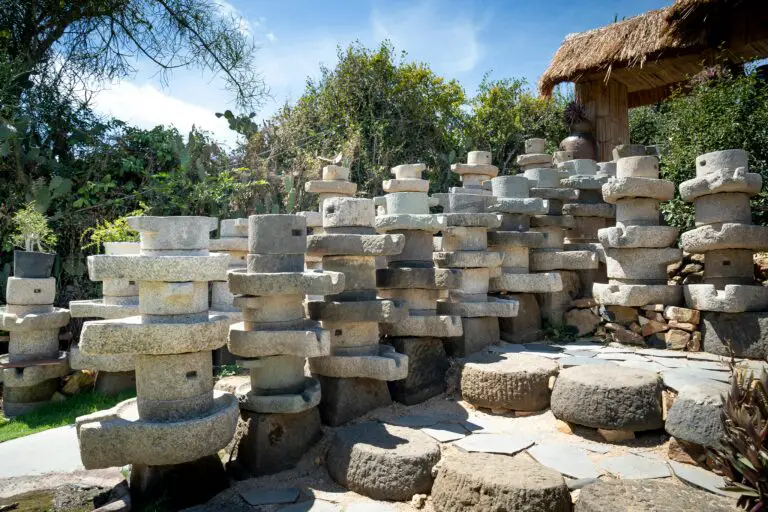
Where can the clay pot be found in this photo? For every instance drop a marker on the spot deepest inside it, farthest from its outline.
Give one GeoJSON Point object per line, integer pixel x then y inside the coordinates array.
{"type": "Point", "coordinates": [580, 141]}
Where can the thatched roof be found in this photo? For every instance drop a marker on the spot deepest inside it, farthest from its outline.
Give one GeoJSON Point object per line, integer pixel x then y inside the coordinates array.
{"type": "Point", "coordinates": [655, 51]}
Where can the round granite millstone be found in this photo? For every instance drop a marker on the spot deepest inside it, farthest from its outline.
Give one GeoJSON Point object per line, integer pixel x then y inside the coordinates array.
{"type": "Point", "coordinates": [483, 481]}
{"type": "Point", "coordinates": [383, 462]}
{"type": "Point", "coordinates": [647, 496]}
{"type": "Point", "coordinates": [608, 396]}
{"type": "Point", "coordinates": [519, 382]}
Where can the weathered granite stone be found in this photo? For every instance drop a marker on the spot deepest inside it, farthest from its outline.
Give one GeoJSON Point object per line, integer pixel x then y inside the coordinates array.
{"type": "Point", "coordinates": [30, 291]}
{"type": "Point", "coordinates": [543, 178]}
{"type": "Point", "coordinates": [733, 298]}
{"type": "Point", "coordinates": [429, 278]}
{"type": "Point", "coordinates": [520, 205]}
{"type": "Point", "coordinates": [745, 333]}
{"type": "Point", "coordinates": [543, 261]}
{"type": "Point", "coordinates": [383, 462]}
{"type": "Point", "coordinates": [340, 187]}
{"type": "Point", "coordinates": [628, 150]}
{"type": "Point", "coordinates": [722, 181]}
{"type": "Point", "coordinates": [477, 333]}
{"type": "Point", "coordinates": [619, 398]}
{"type": "Point", "coordinates": [636, 295]}
{"type": "Point", "coordinates": [725, 236]}
{"type": "Point", "coordinates": [726, 207]}
{"type": "Point", "coordinates": [342, 244]}
{"type": "Point", "coordinates": [717, 160]}
{"type": "Point", "coordinates": [695, 415]}
{"type": "Point", "coordinates": [637, 167]}
{"type": "Point", "coordinates": [346, 399]}
{"type": "Point", "coordinates": [494, 307]}
{"type": "Point", "coordinates": [526, 326]}
{"type": "Point", "coordinates": [526, 283]}
{"type": "Point", "coordinates": [33, 322]}
{"type": "Point", "coordinates": [172, 233]}
{"type": "Point", "coordinates": [638, 236]}
{"type": "Point", "coordinates": [443, 326]}
{"type": "Point", "coordinates": [427, 365]}
{"type": "Point", "coordinates": [517, 382]}
{"type": "Point", "coordinates": [304, 339]}
{"type": "Point", "coordinates": [480, 482]}
{"type": "Point", "coordinates": [158, 268]}
{"type": "Point", "coordinates": [406, 185]}
{"type": "Point", "coordinates": [387, 365]}
{"type": "Point", "coordinates": [589, 210]}
{"type": "Point", "coordinates": [467, 259]}
{"type": "Point", "coordinates": [398, 222]}
{"type": "Point", "coordinates": [584, 182]}
{"type": "Point", "coordinates": [647, 496]}
{"type": "Point", "coordinates": [621, 188]}
{"type": "Point", "coordinates": [641, 263]}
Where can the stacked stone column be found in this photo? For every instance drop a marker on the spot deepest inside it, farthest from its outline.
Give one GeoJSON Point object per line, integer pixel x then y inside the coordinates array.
{"type": "Point", "coordinates": [177, 423]}
{"type": "Point", "coordinates": [552, 255]}
{"type": "Point", "coordinates": [274, 340]}
{"type": "Point", "coordinates": [120, 300]}
{"type": "Point", "coordinates": [513, 240]}
{"type": "Point", "coordinates": [637, 249]}
{"type": "Point", "coordinates": [354, 376]}
{"type": "Point", "coordinates": [412, 280]}
{"type": "Point", "coordinates": [31, 370]}
{"type": "Point", "coordinates": [472, 196]}
{"type": "Point", "coordinates": [335, 183]}
{"type": "Point", "coordinates": [724, 234]}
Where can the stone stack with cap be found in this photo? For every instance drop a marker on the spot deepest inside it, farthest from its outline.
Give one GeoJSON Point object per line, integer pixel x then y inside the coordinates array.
{"type": "Point", "coordinates": [637, 249]}
{"type": "Point", "coordinates": [354, 376]}
{"type": "Point", "coordinates": [535, 156]}
{"type": "Point", "coordinates": [411, 279]}
{"type": "Point", "coordinates": [725, 235]}
{"type": "Point", "coordinates": [552, 255]}
{"type": "Point", "coordinates": [31, 370]}
{"type": "Point", "coordinates": [121, 299]}
{"type": "Point", "coordinates": [177, 423]}
{"type": "Point", "coordinates": [513, 241]}
{"type": "Point", "coordinates": [233, 241]}
{"type": "Point", "coordinates": [464, 246]}
{"type": "Point", "coordinates": [274, 340]}
{"type": "Point", "coordinates": [472, 196]}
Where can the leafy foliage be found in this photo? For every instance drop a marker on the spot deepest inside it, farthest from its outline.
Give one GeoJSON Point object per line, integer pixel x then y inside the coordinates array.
{"type": "Point", "coordinates": [32, 230]}
{"type": "Point", "coordinates": [744, 458]}
{"type": "Point", "coordinates": [117, 230]}
{"type": "Point", "coordinates": [725, 112]}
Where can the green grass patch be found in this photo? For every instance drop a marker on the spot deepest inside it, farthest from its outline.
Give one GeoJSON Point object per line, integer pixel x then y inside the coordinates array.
{"type": "Point", "coordinates": [58, 414]}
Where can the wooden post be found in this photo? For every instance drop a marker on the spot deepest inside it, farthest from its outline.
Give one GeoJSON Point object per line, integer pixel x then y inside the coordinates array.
{"type": "Point", "coordinates": [608, 109]}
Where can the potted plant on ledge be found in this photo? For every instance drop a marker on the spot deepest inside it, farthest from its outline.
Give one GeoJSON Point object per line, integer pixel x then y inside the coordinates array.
{"type": "Point", "coordinates": [116, 236]}
{"type": "Point", "coordinates": [33, 235]}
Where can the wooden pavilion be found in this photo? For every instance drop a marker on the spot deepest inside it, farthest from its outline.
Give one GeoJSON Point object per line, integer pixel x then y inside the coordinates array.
{"type": "Point", "coordinates": [641, 60]}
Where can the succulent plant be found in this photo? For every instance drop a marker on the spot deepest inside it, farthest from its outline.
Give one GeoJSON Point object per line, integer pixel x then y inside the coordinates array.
{"type": "Point", "coordinates": [575, 113]}
{"type": "Point", "coordinates": [743, 460]}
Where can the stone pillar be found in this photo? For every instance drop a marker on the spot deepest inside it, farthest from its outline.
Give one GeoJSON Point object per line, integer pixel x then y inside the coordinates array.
{"type": "Point", "coordinates": [464, 246]}
{"type": "Point", "coordinates": [335, 183]}
{"type": "Point", "coordinates": [354, 376]}
{"type": "Point", "coordinates": [637, 249]}
{"type": "Point", "coordinates": [411, 279]}
{"type": "Point", "coordinates": [513, 241]}
{"type": "Point", "coordinates": [273, 341]}
{"type": "Point", "coordinates": [590, 214]}
{"type": "Point", "coordinates": [232, 241]}
{"type": "Point", "coordinates": [725, 234]}
{"type": "Point", "coordinates": [121, 299]}
{"type": "Point", "coordinates": [31, 370]}
{"type": "Point", "coordinates": [552, 255]}
{"type": "Point", "coordinates": [177, 423]}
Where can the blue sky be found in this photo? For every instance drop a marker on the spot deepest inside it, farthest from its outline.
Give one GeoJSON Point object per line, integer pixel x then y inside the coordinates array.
{"type": "Point", "coordinates": [458, 39]}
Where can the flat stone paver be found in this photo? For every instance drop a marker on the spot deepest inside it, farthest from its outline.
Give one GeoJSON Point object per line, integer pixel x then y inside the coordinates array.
{"type": "Point", "coordinates": [495, 443]}
{"type": "Point", "coordinates": [701, 478]}
{"type": "Point", "coordinates": [51, 451]}
{"type": "Point", "coordinates": [634, 467]}
{"type": "Point", "coordinates": [568, 460]}
{"type": "Point", "coordinates": [445, 432]}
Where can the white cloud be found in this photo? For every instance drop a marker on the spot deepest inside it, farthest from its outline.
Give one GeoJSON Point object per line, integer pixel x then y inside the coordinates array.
{"type": "Point", "coordinates": [146, 106]}
{"type": "Point", "coordinates": [271, 37]}
{"type": "Point", "coordinates": [448, 40]}
{"type": "Point", "coordinates": [228, 10]}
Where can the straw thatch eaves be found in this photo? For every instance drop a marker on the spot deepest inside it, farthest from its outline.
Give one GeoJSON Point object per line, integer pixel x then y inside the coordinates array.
{"type": "Point", "coordinates": [656, 51]}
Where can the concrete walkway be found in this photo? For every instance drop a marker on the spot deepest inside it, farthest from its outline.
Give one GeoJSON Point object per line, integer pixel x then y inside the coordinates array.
{"type": "Point", "coordinates": [51, 451]}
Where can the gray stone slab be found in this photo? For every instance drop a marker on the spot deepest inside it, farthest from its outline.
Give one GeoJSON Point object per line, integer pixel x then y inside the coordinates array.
{"type": "Point", "coordinates": [495, 443]}
{"type": "Point", "coordinates": [704, 356]}
{"type": "Point", "coordinates": [445, 432]}
{"type": "Point", "coordinates": [622, 356]}
{"type": "Point", "coordinates": [677, 380]}
{"type": "Point", "coordinates": [506, 348]}
{"type": "Point", "coordinates": [660, 352]}
{"type": "Point", "coordinates": [643, 365]}
{"type": "Point", "coordinates": [416, 421]}
{"type": "Point", "coordinates": [580, 353]}
{"type": "Point", "coordinates": [567, 362]}
{"type": "Point", "coordinates": [669, 362]}
{"type": "Point", "coordinates": [591, 447]}
{"type": "Point", "coordinates": [582, 346]}
{"type": "Point", "coordinates": [257, 497]}
{"type": "Point", "coordinates": [701, 374]}
{"type": "Point", "coordinates": [709, 365]}
{"type": "Point", "coordinates": [51, 451]}
{"type": "Point", "coordinates": [701, 478]}
{"type": "Point", "coordinates": [540, 347]}
{"type": "Point", "coordinates": [635, 467]}
{"type": "Point", "coordinates": [549, 355]}
{"type": "Point", "coordinates": [616, 350]}
{"type": "Point", "coordinates": [568, 460]}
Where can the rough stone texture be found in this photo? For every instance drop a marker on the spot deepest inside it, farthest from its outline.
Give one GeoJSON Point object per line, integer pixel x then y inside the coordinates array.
{"type": "Point", "coordinates": [467, 259]}
{"type": "Point", "coordinates": [637, 167]}
{"type": "Point", "coordinates": [408, 221]}
{"type": "Point", "coordinates": [30, 291]}
{"type": "Point", "coordinates": [608, 396]}
{"type": "Point", "coordinates": [286, 283]}
{"type": "Point", "coordinates": [443, 326]}
{"type": "Point", "coordinates": [636, 295]}
{"type": "Point", "coordinates": [480, 482]}
{"type": "Point", "coordinates": [346, 399]}
{"type": "Point", "coordinates": [584, 320]}
{"type": "Point", "coordinates": [33, 322]}
{"type": "Point", "coordinates": [641, 263]}
{"type": "Point", "coordinates": [519, 382]}
{"type": "Point", "coordinates": [542, 261]}
{"type": "Point", "coordinates": [428, 278]}
{"type": "Point", "coordinates": [648, 496]}
{"type": "Point", "coordinates": [387, 365]}
{"type": "Point", "coordinates": [172, 233]}
{"type": "Point", "coordinates": [383, 462]}
{"type": "Point", "coordinates": [589, 210]}
{"type": "Point", "coordinates": [427, 365]}
{"type": "Point", "coordinates": [526, 283]}
{"type": "Point", "coordinates": [720, 182]}
{"type": "Point", "coordinates": [477, 334]}
{"type": "Point", "coordinates": [621, 188]}
{"type": "Point", "coordinates": [747, 333]}
{"type": "Point", "coordinates": [275, 442]}
{"type": "Point", "coordinates": [516, 238]}
{"type": "Point", "coordinates": [526, 326]}
{"type": "Point", "coordinates": [520, 205]}
{"type": "Point", "coordinates": [716, 160]}
{"type": "Point", "coordinates": [725, 236]}
{"type": "Point", "coordinates": [363, 245]}
{"type": "Point", "coordinates": [734, 298]}
{"type": "Point", "coordinates": [494, 307]}
{"type": "Point", "coordinates": [340, 187]}
{"type": "Point", "coordinates": [628, 150]}
{"type": "Point", "coordinates": [158, 268]}
{"type": "Point", "coordinates": [638, 236]}
{"type": "Point", "coordinates": [695, 415]}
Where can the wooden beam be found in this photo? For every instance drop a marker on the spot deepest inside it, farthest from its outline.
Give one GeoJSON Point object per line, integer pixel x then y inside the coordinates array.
{"type": "Point", "coordinates": [607, 107]}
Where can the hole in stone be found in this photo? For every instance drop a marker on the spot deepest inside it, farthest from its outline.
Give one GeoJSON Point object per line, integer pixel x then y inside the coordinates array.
{"type": "Point", "coordinates": [297, 232]}
{"type": "Point", "coordinates": [131, 283]}
{"type": "Point", "coordinates": [19, 372]}
{"type": "Point", "coordinates": [37, 290]}
{"type": "Point", "coordinates": [330, 209]}
{"type": "Point", "coordinates": [191, 375]}
{"type": "Point", "coordinates": [337, 332]}
{"type": "Point", "coordinates": [703, 163]}
{"type": "Point", "coordinates": [726, 263]}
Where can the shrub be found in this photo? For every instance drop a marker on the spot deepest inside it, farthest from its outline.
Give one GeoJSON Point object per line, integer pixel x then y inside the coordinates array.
{"type": "Point", "coordinates": [32, 230]}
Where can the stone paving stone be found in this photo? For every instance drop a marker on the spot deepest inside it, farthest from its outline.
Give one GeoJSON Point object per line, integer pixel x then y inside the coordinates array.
{"type": "Point", "coordinates": [660, 352]}
{"type": "Point", "coordinates": [567, 362]}
{"type": "Point", "coordinates": [540, 347]}
{"type": "Point", "coordinates": [701, 478]}
{"type": "Point", "coordinates": [445, 432]}
{"type": "Point", "coordinates": [621, 357]}
{"type": "Point", "coordinates": [580, 353]}
{"type": "Point", "coordinates": [669, 362]}
{"type": "Point", "coordinates": [568, 460]}
{"type": "Point", "coordinates": [257, 497]}
{"type": "Point", "coordinates": [641, 365]}
{"type": "Point", "coordinates": [415, 421]}
{"type": "Point", "coordinates": [592, 447]}
{"type": "Point", "coordinates": [495, 443]}
{"type": "Point", "coordinates": [704, 356]}
{"type": "Point", "coordinates": [634, 467]}
{"type": "Point", "coordinates": [676, 379]}
{"type": "Point", "coordinates": [708, 365]}
{"type": "Point", "coordinates": [702, 374]}
{"type": "Point", "coordinates": [506, 348]}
